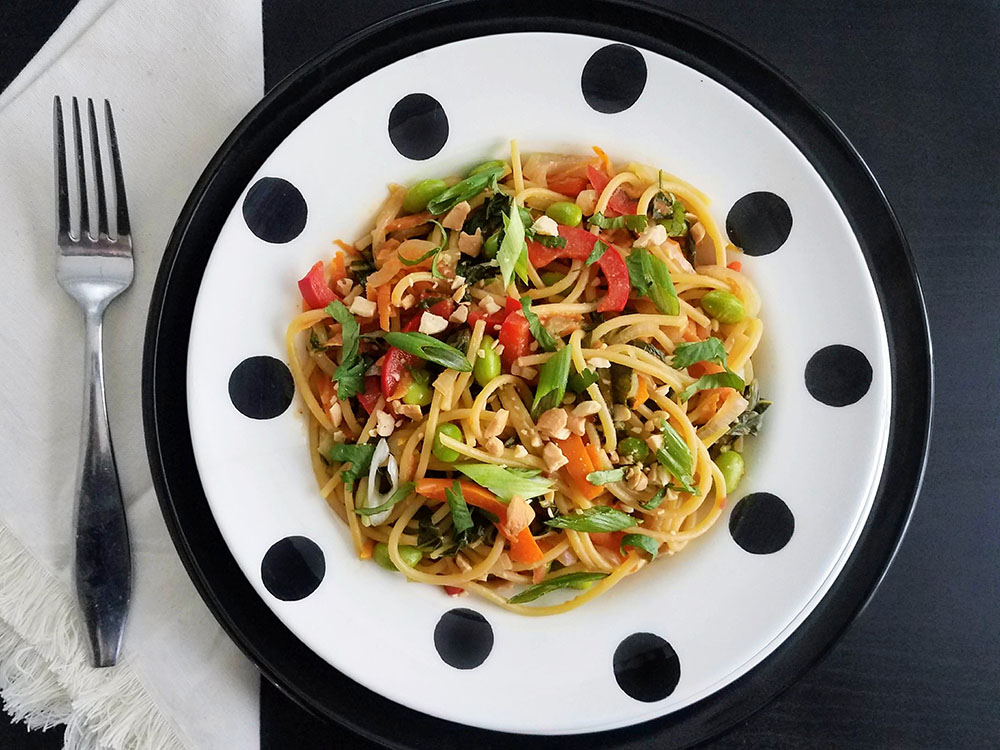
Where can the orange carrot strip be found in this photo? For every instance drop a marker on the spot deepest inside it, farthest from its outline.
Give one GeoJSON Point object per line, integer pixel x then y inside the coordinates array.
{"type": "Point", "coordinates": [735, 265]}
{"type": "Point", "coordinates": [605, 160]}
{"type": "Point", "coordinates": [382, 299]}
{"type": "Point", "coordinates": [408, 222]}
{"type": "Point", "coordinates": [579, 466]}
{"type": "Point", "coordinates": [704, 368]}
{"type": "Point", "coordinates": [347, 248]}
{"type": "Point", "coordinates": [337, 269]}
{"type": "Point", "coordinates": [641, 393]}
{"type": "Point", "coordinates": [366, 548]}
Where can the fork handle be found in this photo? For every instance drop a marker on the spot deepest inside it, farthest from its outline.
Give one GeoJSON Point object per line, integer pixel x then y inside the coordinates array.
{"type": "Point", "coordinates": [103, 567]}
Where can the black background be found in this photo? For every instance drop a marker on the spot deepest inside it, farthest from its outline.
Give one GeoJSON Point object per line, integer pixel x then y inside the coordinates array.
{"type": "Point", "coordinates": [917, 90]}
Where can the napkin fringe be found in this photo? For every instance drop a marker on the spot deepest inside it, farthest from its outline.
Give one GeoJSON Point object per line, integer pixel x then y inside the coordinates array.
{"type": "Point", "coordinates": [44, 675]}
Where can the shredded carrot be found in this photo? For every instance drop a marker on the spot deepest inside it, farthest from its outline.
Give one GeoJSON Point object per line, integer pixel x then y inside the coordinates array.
{"type": "Point", "coordinates": [408, 222]}
{"type": "Point", "coordinates": [324, 386]}
{"type": "Point", "coordinates": [735, 265]}
{"type": "Point", "coordinates": [366, 548]}
{"type": "Point", "coordinates": [704, 368]}
{"type": "Point", "coordinates": [605, 160]}
{"type": "Point", "coordinates": [346, 247]}
{"type": "Point", "coordinates": [382, 299]}
{"type": "Point", "coordinates": [695, 332]}
{"type": "Point", "coordinates": [641, 393]}
{"type": "Point", "coordinates": [337, 269]}
{"type": "Point", "coordinates": [579, 466]}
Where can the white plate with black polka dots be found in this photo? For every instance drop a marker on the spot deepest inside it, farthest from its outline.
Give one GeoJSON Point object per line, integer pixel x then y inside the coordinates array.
{"type": "Point", "coordinates": [696, 640]}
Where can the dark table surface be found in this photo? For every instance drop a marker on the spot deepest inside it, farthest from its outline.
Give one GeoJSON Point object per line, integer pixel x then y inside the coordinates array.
{"type": "Point", "coordinates": [917, 90]}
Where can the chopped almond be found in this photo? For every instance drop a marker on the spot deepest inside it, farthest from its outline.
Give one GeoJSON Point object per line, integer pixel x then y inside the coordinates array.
{"type": "Point", "coordinates": [635, 479]}
{"type": "Point", "coordinates": [470, 244]}
{"type": "Point", "coordinates": [455, 218]}
{"type": "Point", "coordinates": [494, 446]}
{"type": "Point", "coordinates": [384, 423]}
{"type": "Point", "coordinates": [553, 423]}
{"type": "Point", "coordinates": [577, 425]}
{"type": "Point", "coordinates": [621, 413]}
{"type": "Point", "coordinates": [586, 408]}
{"type": "Point", "coordinates": [495, 423]}
{"type": "Point", "coordinates": [553, 457]}
{"type": "Point", "coordinates": [519, 516]}
{"type": "Point", "coordinates": [520, 451]}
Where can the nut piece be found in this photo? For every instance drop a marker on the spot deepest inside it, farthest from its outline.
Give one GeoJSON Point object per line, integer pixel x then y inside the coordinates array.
{"type": "Point", "coordinates": [431, 323]}
{"type": "Point", "coordinates": [635, 479]}
{"type": "Point", "coordinates": [654, 234]}
{"type": "Point", "coordinates": [410, 411]}
{"type": "Point", "coordinates": [408, 301]}
{"type": "Point", "coordinates": [344, 286]}
{"type": "Point", "coordinates": [577, 425]}
{"type": "Point", "coordinates": [621, 413]}
{"type": "Point", "coordinates": [336, 413]}
{"type": "Point", "coordinates": [455, 218]}
{"type": "Point", "coordinates": [528, 373]}
{"type": "Point", "coordinates": [598, 362]}
{"type": "Point", "coordinates": [654, 442]}
{"type": "Point", "coordinates": [364, 308]}
{"type": "Point", "coordinates": [495, 423]}
{"type": "Point", "coordinates": [460, 315]}
{"type": "Point", "coordinates": [586, 408]}
{"type": "Point", "coordinates": [520, 451]}
{"type": "Point", "coordinates": [384, 423]}
{"type": "Point", "coordinates": [553, 457]}
{"type": "Point", "coordinates": [545, 225]}
{"type": "Point", "coordinates": [489, 305]}
{"type": "Point", "coordinates": [587, 201]}
{"type": "Point", "coordinates": [519, 517]}
{"type": "Point", "coordinates": [470, 244]}
{"type": "Point", "coordinates": [552, 424]}
{"type": "Point", "coordinates": [494, 446]}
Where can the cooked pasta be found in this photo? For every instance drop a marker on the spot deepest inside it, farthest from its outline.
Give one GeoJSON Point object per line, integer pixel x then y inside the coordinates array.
{"type": "Point", "coordinates": [533, 378]}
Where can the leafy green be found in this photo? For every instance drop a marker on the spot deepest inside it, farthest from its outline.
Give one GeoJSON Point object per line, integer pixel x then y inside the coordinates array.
{"type": "Point", "coordinates": [578, 382]}
{"type": "Point", "coordinates": [540, 332]}
{"type": "Point", "coordinates": [461, 518]}
{"type": "Point", "coordinates": [676, 457]}
{"type": "Point", "coordinates": [621, 382]}
{"type": "Point", "coordinates": [709, 350]}
{"type": "Point", "coordinates": [654, 502]}
{"type": "Point", "coordinates": [749, 422]}
{"type": "Point", "coordinates": [513, 252]}
{"type": "Point", "coordinates": [350, 373]}
{"type": "Point", "coordinates": [596, 253]}
{"type": "Point", "coordinates": [650, 277]}
{"type": "Point", "coordinates": [652, 349]}
{"type": "Point", "coordinates": [401, 493]}
{"type": "Point", "coordinates": [429, 348]}
{"type": "Point", "coordinates": [552, 380]}
{"type": "Point", "coordinates": [640, 541]}
{"type": "Point", "coordinates": [607, 476]}
{"type": "Point", "coordinates": [505, 483]}
{"type": "Point", "coordinates": [489, 216]}
{"type": "Point", "coordinates": [465, 190]}
{"type": "Point", "coordinates": [358, 456]}
{"type": "Point", "coordinates": [549, 241]}
{"type": "Point", "coordinates": [716, 380]}
{"type": "Point", "coordinates": [599, 518]}
{"type": "Point", "coordinates": [364, 267]}
{"type": "Point", "coordinates": [553, 584]}
{"type": "Point", "coordinates": [474, 270]}
{"type": "Point", "coordinates": [635, 222]}
{"type": "Point", "coordinates": [678, 225]}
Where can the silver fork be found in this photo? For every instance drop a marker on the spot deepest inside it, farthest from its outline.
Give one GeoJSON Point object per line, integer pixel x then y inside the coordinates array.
{"type": "Point", "coordinates": [93, 270]}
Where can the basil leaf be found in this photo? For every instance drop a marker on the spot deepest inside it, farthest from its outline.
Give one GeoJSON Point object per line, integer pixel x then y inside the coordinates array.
{"type": "Point", "coordinates": [505, 483]}
{"type": "Point", "coordinates": [401, 493]}
{"type": "Point", "coordinates": [678, 225]}
{"type": "Point", "coordinates": [654, 502]}
{"type": "Point", "coordinates": [429, 348]}
{"type": "Point", "coordinates": [606, 477]}
{"type": "Point", "coordinates": [640, 270]}
{"type": "Point", "coordinates": [350, 377]}
{"type": "Point", "coordinates": [749, 422]}
{"type": "Point", "coordinates": [553, 584]}
{"type": "Point", "coordinates": [596, 253]}
{"type": "Point", "coordinates": [552, 380]}
{"type": "Point", "coordinates": [349, 374]}
{"type": "Point", "coordinates": [578, 382]}
{"type": "Point", "coordinates": [599, 518]}
{"type": "Point", "coordinates": [513, 245]}
{"type": "Point", "coordinates": [549, 241]}
{"type": "Point", "coordinates": [359, 457]}
{"type": "Point", "coordinates": [640, 541]}
{"type": "Point", "coordinates": [474, 272]}
{"type": "Point", "coordinates": [465, 190]}
{"type": "Point", "coordinates": [716, 380]}
{"type": "Point", "coordinates": [461, 518]}
{"type": "Point", "coordinates": [635, 222]}
{"type": "Point", "coordinates": [709, 350]}
{"type": "Point", "coordinates": [540, 332]}
{"type": "Point", "coordinates": [662, 290]}
{"type": "Point", "coordinates": [652, 349]}
{"type": "Point", "coordinates": [676, 457]}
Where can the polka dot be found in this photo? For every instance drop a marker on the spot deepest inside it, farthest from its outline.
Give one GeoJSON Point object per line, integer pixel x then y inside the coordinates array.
{"type": "Point", "coordinates": [418, 126]}
{"type": "Point", "coordinates": [293, 568]}
{"type": "Point", "coordinates": [463, 638]}
{"type": "Point", "coordinates": [261, 387]}
{"type": "Point", "coordinates": [759, 223]}
{"type": "Point", "coordinates": [761, 523]}
{"type": "Point", "coordinates": [838, 375]}
{"type": "Point", "coordinates": [613, 78]}
{"type": "Point", "coordinates": [275, 210]}
{"type": "Point", "coordinates": [646, 667]}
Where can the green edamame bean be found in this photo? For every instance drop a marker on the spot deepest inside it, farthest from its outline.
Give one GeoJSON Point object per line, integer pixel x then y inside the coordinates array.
{"type": "Point", "coordinates": [633, 448]}
{"type": "Point", "coordinates": [491, 245]}
{"type": "Point", "coordinates": [486, 165]}
{"type": "Point", "coordinates": [416, 197]}
{"type": "Point", "coordinates": [731, 465]}
{"type": "Point", "coordinates": [410, 554]}
{"type": "Point", "coordinates": [551, 277]}
{"type": "Point", "coordinates": [418, 393]}
{"type": "Point", "coordinates": [442, 452]}
{"type": "Point", "coordinates": [564, 212]}
{"type": "Point", "coordinates": [723, 306]}
{"type": "Point", "coordinates": [487, 366]}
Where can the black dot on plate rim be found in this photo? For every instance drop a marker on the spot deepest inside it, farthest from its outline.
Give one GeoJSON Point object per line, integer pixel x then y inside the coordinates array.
{"type": "Point", "coordinates": [275, 210]}
{"type": "Point", "coordinates": [838, 375]}
{"type": "Point", "coordinates": [463, 638]}
{"type": "Point", "coordinates": [759, 223]}
{"type": "Point", "coordinates": [761, 523]}
{"type": "Point", "coordinates": [261, 387]}
{"type": "Point", "coordinates": [418, 126]}
{"type": "Point", "coordinates": [613, 78]}
{"type": "Point", "coordinates": [293, 568]}
{"type": "Point", "coordinates": [646, 667]}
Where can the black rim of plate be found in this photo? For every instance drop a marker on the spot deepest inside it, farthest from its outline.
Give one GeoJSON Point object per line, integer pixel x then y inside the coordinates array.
{"type": "Point", "coordinates": [285, 660]}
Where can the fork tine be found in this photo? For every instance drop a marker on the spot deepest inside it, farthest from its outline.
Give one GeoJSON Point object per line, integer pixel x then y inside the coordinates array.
{"type": "Point", "coordinates": [123, 228]}
{"type": "Point", "coordinates": [81, 173]}
{"type": "Point", "coordinates": [95, 148]}
{"type": "Point", "coordinates": [62, 182]}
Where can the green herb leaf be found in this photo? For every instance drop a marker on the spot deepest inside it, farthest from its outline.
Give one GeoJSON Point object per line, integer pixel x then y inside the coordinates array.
{"type": "Point", "coordinates": [540, 332]}
{"type": "Point", "coordinates": [607, 476]}
{"type": "Point", "coordinates": [599, 518]}
{"type": "Point", "coordinates": [552, 380]}
{"type": "Point", "coordinates": [654, 502]}
{"type": "Point", "coordinates": [465, 190]}
{"type": "Point", "coordinates": [401, 493]}
{"type": "Point", "coordinates": [512, 247]}
{"type": "Point", "coordinates": [549, 241]}
{"type": "Point", "coordinates": [709, 350]}
{"type": "Point", "coordinates": [553, 584]}
{"type": "Point", "coordinates": [652, 349]}
{"type": "Point", "coordinates": [749, 422]}
{"type": "Point", "coordinates": [505, 483]}
{"type": "Point", "coordinates": [640, 541]}
{"type": "Point", "coordinates": [480, 270]}
{"type": "Point", "coordinates": [678, 226]}
{"type": "Point", "coordinates": [676, 457]}
{"type": "Point", "coordinates": [461, 518]}
{"type": "Point", "coordinates": [429, 348]}
{"type": "Point", "coordinates": [716, 380]}
{"type": "Point", "coordinates": [596, 253]}
{"type": "Point", "coordinates": [359, 457]}
{"type": "Point", "coordinates": [350, 377]}
{"type": "Point", "coordinates": [650, 277]}
{"type": "Point", "coordinates": [635, 222]}
{"type": "Point", "coordinates": [350, 374]}
{"type": "Point", "coordinates": [578, 382]}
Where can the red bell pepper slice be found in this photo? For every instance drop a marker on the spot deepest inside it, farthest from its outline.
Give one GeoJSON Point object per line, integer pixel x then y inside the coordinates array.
{"type": "Point", "coordinates": [494, 320]}
{"type": "Point", "coordinates": [619, 202]}
{"type": "Point", "coordinates": [370, 397]}
{"type": "Point", "coordinates": [397, 363]}
{"type": "Point", "coordinates": [515, 335]}
{"type": "Point", "coordinates": [567, 185]}
{"type": "Point", "coordinates": [579, 245]}
{"type": "Point", "coordinates": [315, 291]}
